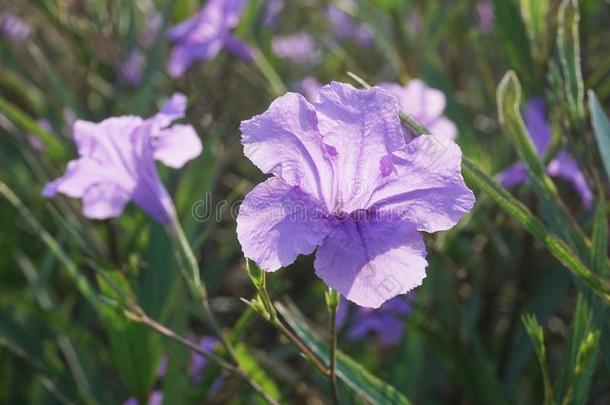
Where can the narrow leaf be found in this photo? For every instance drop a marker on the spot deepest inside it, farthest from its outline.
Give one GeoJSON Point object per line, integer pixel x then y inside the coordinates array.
{"type": "Point", "coordinates": [601, 129]}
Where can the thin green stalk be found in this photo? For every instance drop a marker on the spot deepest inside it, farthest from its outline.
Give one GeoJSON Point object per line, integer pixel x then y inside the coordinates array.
{"type": "Point", "coordinates": [332, 303]}
{"type": "Point", "coordinates": [274, 79]}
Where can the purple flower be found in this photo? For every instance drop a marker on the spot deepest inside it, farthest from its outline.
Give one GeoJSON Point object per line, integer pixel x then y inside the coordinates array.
{"type": "Point", "coordinates": [563, 166]}
{"type": "Point", "coordinates": [132, 67]}
{"type": "Point", "coordinates": [116, 162]}
{"type": "Point", "coordinates": [272, 10]}
{"type": "Point", "coordinates": [14, 27]}
{"type": "Point", "coordinates": [299, 48]}
{"type": "Point", "coordinates": [387, 322]}
{"type": "Point", "coordinates": [345, 27]}
{"type": "Point", "coordinates": [346, 182]}
{"type": "Point", "coordinates": [485, 13]}
{"type": "Point", "coordinates": [425, 104]}
{"type": "Point", "coordinates": [199, 363]}
{"type": "Point", "coordinates": [204, 35]}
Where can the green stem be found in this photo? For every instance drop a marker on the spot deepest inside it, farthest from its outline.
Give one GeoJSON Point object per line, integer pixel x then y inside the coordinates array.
{"type": "Point", "coordinates": [332, 353]}
{"type": "Point", "coordinates": [275, 81]}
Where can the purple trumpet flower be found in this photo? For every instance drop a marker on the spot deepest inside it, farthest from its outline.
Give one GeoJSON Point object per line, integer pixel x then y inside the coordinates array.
{"type": "Point", "coordinates": [563, 166]}
{"type": "Point", "coordinates": [204, 35]}
{"type": "Point", "coordinates": [116, 162]}
{"type": "Point", "coordinates": [346, 182]}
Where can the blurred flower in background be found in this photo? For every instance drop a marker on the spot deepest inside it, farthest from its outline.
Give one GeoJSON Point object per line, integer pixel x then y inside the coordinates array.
{"type": "Point", "coordinates": [204, 35]}
{"type": "Point", "coordinates": [156, 398]}
{"type": "Point", "coordinates": [33, 140]}
{"type": "Point", "coordinates": [13, 27]}
{"type": "Point", "coordinates": [425, 104]}
{"type": "Point", "coordinates": [344, 26]}
{"type": "Point", "coordinates": [485, 15]}
{"type": "Point", "coordinates": [131, 68]}
{"type": "Point", "coordinates": [386, 322]}
{"type": "Point", "coordinates": [117, 162]}
{"type": "Point", "coordinates": [299, 48]}
{"type": "Point", "coordinates": [272, 10]}
{"type": "Point", "coordinates": [563, 166]}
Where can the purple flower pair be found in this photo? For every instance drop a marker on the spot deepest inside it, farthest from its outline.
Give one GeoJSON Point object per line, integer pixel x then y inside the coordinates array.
{"type": "Point", "coordinates": [345, 27]}
{"type": "Point", "coordinates": [204, 35]}
{"type": "Point", "coordinates": [563, 166]}
{"type": "Point", "coordinates": [116, 162]}
{"type": "Point", "coordinates": [347, 183]}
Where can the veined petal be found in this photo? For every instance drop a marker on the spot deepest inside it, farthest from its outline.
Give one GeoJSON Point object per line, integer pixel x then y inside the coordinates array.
{"type": "Point", "coordinates": [277, 222]}
{"type": "Point", "coordinates": [363, 126]}
{"type": "Point", "coordinates": [372, 260]}
{"type": "Point", "coordinates": [425, 185]}
{"type": "Point", "coordinates": [285, 141]}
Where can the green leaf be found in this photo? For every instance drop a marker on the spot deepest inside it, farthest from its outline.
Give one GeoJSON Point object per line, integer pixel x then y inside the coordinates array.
{"type": "Point", "coordinates": [536, 334]}
{"type": "Point", "coordinates": [513, 36]}
{"type": "Point", "coordinates": [53, 145]}
{"type": "Point", "coordinates": [534, 14]}
{"type": "Point", "coordinates": [82, 283]}
{"type": "Point", "coordinates": [558, 248]}
{"type": "Point", "coordinates": [158, 278]}
{"type": "Point", "coordinates": [581, 355]}
{"type": "Point", "coordinates": [568, 46]}
{"type": "Point", "coordinates": [349, 371]}
{"type": "Point", "coordinates": [601, 130]}
{"type": "Point", "coordinates": [251, 366]}
{"type": "Point", "coordinates": [136, 350]}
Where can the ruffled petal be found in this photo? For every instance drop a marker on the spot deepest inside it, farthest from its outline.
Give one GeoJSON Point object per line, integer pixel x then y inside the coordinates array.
{"type": "Point", "coordinates": [566, 168]}
{"type": "Point", "coordinates": [177, 145]}
{"type": "Point", "coordinates": [277, 222]}
{"type": "Point", "coordinates": [285, 141]}
{"type": "Point", "coordinates": [104, 200]}
{"type": "Point", "coordinates": [371, 261]}
{"type": "Point", "coordinates": [363, 127]}
{"type": "Point", "coordinates": [425, 185]}
{"type": "Point", "coordinates": [513, 175]}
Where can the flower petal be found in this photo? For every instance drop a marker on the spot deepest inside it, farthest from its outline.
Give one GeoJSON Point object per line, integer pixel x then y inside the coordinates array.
{"type": "Point", "coordinates": [566, 168]}
{"type": "Point", "coordinates": [80, 175]}
{"type": "Point", "coordinates": [277, 222]}
{"type": "Point", "coordinates": [513, 175]}
{"type": "Point", "coordinates": [176, 145]}
{"type": "Point", "coordinates": [363, 126]}
{"type": "Point", "coordinates": [443, 126]}
{"type": "Point", "coordinates": [537, 125]}
{"type": "Point", "coordinates": [285, 141]}
{"type": "Point", "coordinates": [104, 200]}
{"type": "Point", "coordinates": [371, 261]}
{"type": "Point", "coordinates": [425, 185]}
